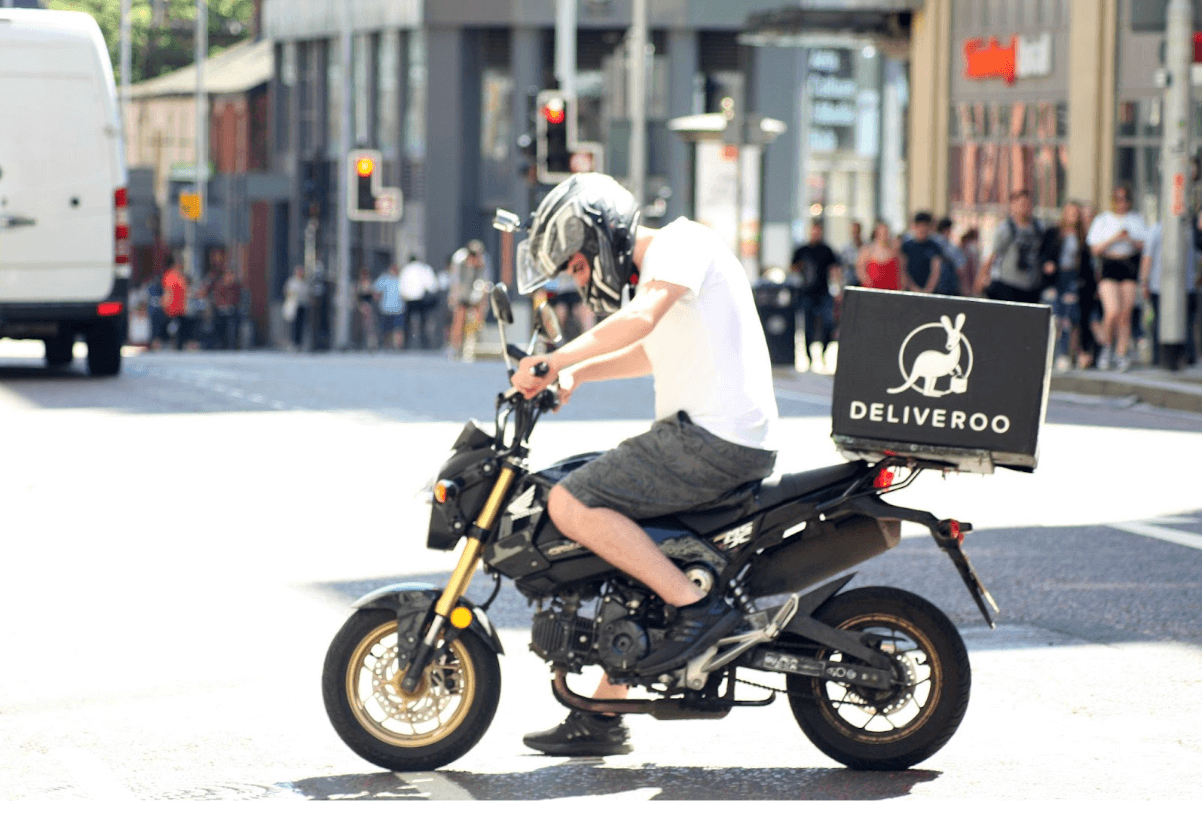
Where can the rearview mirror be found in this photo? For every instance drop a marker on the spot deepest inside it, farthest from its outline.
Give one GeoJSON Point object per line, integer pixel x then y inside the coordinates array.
{"type": "Point", "coordinates": [500, 304]}
{"type": "Point", "coordinates": [548, 322]}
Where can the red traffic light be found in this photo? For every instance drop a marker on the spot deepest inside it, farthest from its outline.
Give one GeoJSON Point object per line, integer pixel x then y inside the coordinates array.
{"type": "Point", "coordinates": [554, 111]}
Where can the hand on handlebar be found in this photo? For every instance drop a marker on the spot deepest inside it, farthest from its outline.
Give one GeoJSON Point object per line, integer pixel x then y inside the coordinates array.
{"type": "Point", "coordinates": [533, 375]}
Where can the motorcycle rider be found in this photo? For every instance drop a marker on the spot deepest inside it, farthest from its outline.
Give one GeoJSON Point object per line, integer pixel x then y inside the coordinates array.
{"type": "Point", "coordinates": [692, 325]}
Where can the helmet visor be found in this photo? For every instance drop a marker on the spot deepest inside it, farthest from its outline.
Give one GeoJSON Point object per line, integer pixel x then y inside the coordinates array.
{"type": "Point", "coordinates": [529, 274]}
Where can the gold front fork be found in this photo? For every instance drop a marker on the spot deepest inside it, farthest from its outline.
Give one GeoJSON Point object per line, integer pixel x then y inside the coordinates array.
{"type": "Point", "coordinates": [470, 557]}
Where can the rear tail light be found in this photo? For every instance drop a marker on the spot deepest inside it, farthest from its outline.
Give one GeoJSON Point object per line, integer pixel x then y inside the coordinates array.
{"type": "Point", "coordinates": [121, 226]}
{"type": "Point", "coordinates": [111, 309]}
{"type": "Point", "coordinates": [883, 480]}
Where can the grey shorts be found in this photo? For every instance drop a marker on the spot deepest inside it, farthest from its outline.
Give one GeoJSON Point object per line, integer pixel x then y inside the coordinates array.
{"type": "Point", "coordinates": [675, 467]}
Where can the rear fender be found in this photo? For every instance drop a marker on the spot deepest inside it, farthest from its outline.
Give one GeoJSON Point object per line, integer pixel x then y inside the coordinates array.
{"type": "Point", "coordinates": [413, 603]}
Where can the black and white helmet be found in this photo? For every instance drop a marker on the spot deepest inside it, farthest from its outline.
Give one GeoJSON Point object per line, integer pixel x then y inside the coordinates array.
{"type": "Point", "coordinates": [588, 213]}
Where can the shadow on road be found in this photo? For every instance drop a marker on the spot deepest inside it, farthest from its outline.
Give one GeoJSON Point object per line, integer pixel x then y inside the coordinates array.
{"type": "Point", "coordinates": [591, 777]}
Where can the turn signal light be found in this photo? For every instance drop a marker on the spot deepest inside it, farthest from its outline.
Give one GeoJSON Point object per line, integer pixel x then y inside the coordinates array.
{"type": "Point", "coordinates": [444, 490]}
{"type": "Point", "coordinates": [883, 479]}
{"type": "Point", "coordinates": [461, 617]}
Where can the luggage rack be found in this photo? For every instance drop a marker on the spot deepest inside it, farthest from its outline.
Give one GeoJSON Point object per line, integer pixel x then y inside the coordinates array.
{"type": "Point", "coordinates": [952, 459]}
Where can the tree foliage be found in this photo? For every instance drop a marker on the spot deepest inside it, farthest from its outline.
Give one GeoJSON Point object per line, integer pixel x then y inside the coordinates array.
{"type": "Point", "coordinates": [162, 31]}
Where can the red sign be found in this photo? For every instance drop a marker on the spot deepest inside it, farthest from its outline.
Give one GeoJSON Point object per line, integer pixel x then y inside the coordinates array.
{"type": "Point", "coordinates": [991, 59]}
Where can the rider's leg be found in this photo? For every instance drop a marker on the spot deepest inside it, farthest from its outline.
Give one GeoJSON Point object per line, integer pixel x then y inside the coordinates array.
{"type": "Point", "coordinates": [621, 543]}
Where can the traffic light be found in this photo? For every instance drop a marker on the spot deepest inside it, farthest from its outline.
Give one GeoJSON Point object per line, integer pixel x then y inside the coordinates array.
{"type": "Point", "coordinates": [367, 201]}
{"type": "Point", "coordinates": [553, 154]}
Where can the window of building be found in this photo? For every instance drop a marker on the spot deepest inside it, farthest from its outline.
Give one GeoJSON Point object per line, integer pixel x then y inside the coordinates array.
{"type": "Point", "coordinates": [388, 102]}
{"type": "Point", "coordinates": [998, 148]}
{"type": "Point", "coordinates": [1137, 151]}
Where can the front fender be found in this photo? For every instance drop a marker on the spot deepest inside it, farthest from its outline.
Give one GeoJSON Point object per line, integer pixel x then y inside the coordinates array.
{"type": "Point", "coordinates": [407, 598]}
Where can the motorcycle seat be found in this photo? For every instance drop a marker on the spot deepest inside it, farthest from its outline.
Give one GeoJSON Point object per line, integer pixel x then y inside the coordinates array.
{"type": "Point", "coordinates": [756, 496]}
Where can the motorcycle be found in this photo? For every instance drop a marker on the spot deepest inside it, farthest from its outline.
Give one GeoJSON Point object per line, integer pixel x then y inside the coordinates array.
{"type": "Point", "coordinates": [877, 678]}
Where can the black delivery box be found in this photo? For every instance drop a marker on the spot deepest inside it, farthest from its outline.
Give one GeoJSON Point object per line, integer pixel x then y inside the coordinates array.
{"type": "Point", "coordinates": [960, 381]}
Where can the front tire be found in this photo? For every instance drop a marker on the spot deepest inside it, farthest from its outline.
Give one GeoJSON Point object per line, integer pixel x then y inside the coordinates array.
{"type": "Point", "coordinates": [872, 729]}
{"type": "Point", "coordinates": [451, 710]}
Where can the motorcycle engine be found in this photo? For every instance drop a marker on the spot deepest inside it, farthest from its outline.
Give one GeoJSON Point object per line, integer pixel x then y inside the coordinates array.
{"type": "Point", "coordinates": [617, 638]}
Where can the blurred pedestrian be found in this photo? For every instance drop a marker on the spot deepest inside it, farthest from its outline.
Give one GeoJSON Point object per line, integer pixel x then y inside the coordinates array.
{"type": "Point", "coordinates": [366, 329]}
{"type": "Point", "coordinates": [880, 262]}
{"type": "Point", "coordinates": [226, 295]}
{"type": "Point", "coordinates": [1063, 246]}
{"type": "Point", "coordinates": [1116, 238]}
{"type": "Point", "coordinates": [469, 266]}
{"type": "Point", "coordinates": [849, 255]}
{"type": "Point", "coordinates": [296, 306]}
{"type": "Point", "coordinates": [418, 286]}
{"type": "Point", "coordinates": [924, 262]}
{"type": "Point", "coordinates": [818, 269]}
{"type": "Point", "coordinates": [154, 307]}
{"type": "Point", "coordinates": [1011, 272]}
{"type": "Point", "coordinates": [952, 267]}
{"type": "Point", "coordinates": [1087, 296]}
{"type": "Point", "coordinates": [391, 307]}
{"type": "Point", "coordinates": [1150, 278]}
{"type": "Point", "coordinates": [175, 302]}
{"type": "Point", "coordinates": [970, 249]}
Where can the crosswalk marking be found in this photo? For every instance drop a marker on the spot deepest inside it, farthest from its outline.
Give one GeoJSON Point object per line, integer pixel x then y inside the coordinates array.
{"type": "Point", "coordinates": [1164, 534]}
{"type": "Point", "coordinates": [438, 787]}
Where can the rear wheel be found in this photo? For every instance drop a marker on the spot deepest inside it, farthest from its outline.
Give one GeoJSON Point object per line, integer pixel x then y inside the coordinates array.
{"type": "Point", "coordinates": [104, 349]}
{"type": "Point", "coordinates": [60, 350]}
{"type": "Point", "coordinates": [875, 729]}
{"type": "Point", "coordinates": [449, 712]}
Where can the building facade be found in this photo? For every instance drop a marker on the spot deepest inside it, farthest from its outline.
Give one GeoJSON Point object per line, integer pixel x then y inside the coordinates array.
{"type": "Point", "coordinates": [1061, 97]}
{"type": "Point", "coordinates": [446, 92]}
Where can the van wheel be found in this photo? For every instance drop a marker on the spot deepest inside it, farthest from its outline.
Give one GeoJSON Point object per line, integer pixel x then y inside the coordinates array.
{"type": "Point", "coordinates": [104, 350]}
{"type": "Point", "coordinates": [60, 350]}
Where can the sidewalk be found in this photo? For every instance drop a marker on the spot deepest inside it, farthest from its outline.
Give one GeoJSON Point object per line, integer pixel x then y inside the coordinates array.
{"type": "Point", "coordinates": [1150, 385]}
{"type": "Point", "coordinates": [1181, 390]}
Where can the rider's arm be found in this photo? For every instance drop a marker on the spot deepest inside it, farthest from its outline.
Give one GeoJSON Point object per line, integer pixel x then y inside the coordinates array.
{"type": "Point", "coordinates": [624, 328]}
{"type": "Point", "coordinates": [630, 362]}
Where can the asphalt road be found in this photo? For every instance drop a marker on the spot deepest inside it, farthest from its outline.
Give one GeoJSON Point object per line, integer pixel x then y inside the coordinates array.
{"type": "Point", "coordinates": [184, 540]}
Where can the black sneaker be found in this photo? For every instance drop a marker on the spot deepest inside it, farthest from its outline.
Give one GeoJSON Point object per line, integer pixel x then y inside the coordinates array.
{"type": "Point", "coordinates": [583, 734]}
{"type": "Point", "coordinates": [695, 628]}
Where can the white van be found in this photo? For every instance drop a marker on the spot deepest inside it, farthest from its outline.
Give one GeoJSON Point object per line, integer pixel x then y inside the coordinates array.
{"type": "Point", "coordinates": [64, 227]}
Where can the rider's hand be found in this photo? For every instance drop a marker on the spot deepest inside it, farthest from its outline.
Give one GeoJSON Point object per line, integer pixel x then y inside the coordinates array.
{"type": "Point", "coordinates": [528, 383]}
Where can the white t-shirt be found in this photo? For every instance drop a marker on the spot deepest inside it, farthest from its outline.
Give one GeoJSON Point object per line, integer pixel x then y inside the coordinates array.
{"type": "Point", "coordinates": [417, 279]}
{"type": "Point", "coordinates": [708, 354]}
{"type": "Point", "coordinates": [1105, 225]}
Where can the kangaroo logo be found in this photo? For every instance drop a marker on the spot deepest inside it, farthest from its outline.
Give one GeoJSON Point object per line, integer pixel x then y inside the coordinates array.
{"type": "Point", "coordinates": [954, 362]}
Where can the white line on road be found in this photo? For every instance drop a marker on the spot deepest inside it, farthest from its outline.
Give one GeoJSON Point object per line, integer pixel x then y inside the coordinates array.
{"type": "Point", "coordinates": [1164, 534]}
{"type": "Point", "coordinates": [92, 775]}
{"type": "Point", "coordinates": [435, 785]}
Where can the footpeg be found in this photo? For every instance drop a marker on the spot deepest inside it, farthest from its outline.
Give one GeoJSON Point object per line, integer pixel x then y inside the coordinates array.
{"type": "Point", "coordinates": [728, 649]}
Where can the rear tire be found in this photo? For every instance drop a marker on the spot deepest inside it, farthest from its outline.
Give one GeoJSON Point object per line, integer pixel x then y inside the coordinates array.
{"type": "Point", "coordinates": [873, 729]}
{"type": "Point", "coordinates": [104, 349]}
{"type": "Point", "coordinates": [451, 710]}
{"type": "Point", "coordinates": [60, 350]}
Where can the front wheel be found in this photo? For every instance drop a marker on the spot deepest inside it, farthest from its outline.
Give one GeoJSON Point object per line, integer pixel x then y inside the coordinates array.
{"type": "Point", "coordinates": [894, 729]}
{"type": "Point", "coordinates": [444, 718]}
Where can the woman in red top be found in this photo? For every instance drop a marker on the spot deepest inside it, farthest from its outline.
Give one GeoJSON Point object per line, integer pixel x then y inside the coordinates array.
{"type": "Point", "coordinates": [881, 262]}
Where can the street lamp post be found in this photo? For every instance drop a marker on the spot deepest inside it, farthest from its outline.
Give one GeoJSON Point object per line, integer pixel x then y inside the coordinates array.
{"type": "Point", "coordinates": [1176, 223]}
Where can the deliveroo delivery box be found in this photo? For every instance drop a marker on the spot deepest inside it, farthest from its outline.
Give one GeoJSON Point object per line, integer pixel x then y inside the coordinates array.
{"type": "Point", "coordinates": [960, 381]}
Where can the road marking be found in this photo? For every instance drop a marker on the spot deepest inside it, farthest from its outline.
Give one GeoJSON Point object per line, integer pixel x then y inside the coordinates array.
{"type": "Point", "coordinates": [1164, 534]}
{"type": "Point", "coordinates": [437, 786]}
{"type": "Point", "coordinates": [92, 775]}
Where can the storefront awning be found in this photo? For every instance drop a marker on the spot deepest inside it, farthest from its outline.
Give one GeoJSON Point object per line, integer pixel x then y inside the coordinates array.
{"type": "Point", "coordinates": [821, 22]}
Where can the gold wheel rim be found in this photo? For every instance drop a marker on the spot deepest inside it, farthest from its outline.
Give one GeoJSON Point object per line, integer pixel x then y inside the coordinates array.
{"type": "Point", "coordinates": [932, 681]}
{"type": "Point", "coordinates": [432, 713]}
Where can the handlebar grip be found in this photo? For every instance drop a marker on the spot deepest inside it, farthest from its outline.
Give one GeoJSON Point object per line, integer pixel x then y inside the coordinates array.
{"type": "Point", "coordinates": [515, 352]}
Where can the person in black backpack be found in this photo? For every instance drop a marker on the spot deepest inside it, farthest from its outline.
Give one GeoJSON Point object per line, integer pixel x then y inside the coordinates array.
{"type": "Point", "coordinates": [1011, 272]}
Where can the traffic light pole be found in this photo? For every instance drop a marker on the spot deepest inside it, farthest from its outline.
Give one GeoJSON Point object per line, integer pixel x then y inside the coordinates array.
{"type": "Point", "coordinates": [637, 65]}
{"type": "Point", "coordinates": [1175, 210]}
{"type": "Point", "coordinates": [202, 138]}
{"type": "Point", "coordinates": [342, 273]}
